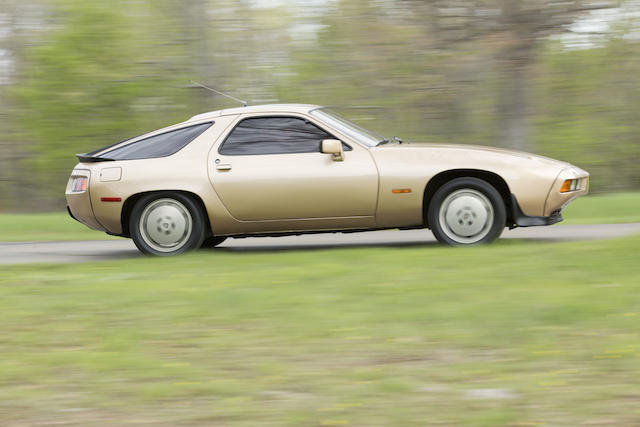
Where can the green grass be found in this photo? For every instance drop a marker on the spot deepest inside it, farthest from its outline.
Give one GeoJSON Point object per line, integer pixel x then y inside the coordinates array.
{"type": "Point", "coordinates": [510, 334]}
{"type": "Point", "coordinates": [45, 226]}
{"type": "Point", "coordinates": [615, 208]}
{"type": "Point", "coordinates": [604, 209]}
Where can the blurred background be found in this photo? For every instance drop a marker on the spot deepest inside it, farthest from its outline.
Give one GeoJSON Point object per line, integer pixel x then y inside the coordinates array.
{"type": "Point", "coordinates": [528, 331]}
{"type": "Point", "coordinates": [557, 78]}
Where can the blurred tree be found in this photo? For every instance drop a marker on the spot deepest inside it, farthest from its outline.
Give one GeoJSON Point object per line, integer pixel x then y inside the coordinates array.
{"type": "Point", "coordinates": [77, 88]}
{"type": "Point", "coordinates": [88, 73]}
{"type": "Point", "coordinates": [108, 71]}
{"type": "Point", "coordinates": [19, 23]}
{"type": "Point", "coordinates": [593, 117]}
{"type": "Point", "coordinates": [451, 62]}
{"type": "Point", "coordinates": [510, 33]}
{"type": "Point", "coordinates": [365, 57]}
{"type": "Point", "coordinates": [88, 85]}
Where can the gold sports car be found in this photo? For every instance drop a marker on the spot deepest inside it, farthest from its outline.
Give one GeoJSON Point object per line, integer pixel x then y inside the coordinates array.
{"type": "Point", "coordinates": [290, 169]}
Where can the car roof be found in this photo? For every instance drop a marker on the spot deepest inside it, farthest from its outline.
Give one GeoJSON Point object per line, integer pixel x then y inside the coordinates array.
{"type": "Point", "coordinates": [265, 108]}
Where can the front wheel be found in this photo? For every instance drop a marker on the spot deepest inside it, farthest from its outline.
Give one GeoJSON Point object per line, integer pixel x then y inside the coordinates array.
{"type": "Point", "coordinates": [167, 224]}
{"type": "Point", "coordinates": [466, 211]}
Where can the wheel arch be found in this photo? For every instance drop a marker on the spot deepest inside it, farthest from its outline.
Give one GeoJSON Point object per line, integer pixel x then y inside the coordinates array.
{"type": "Point", "coordinates": [130, 202]}
{"type": "Point", "coordinates": [443, 177]}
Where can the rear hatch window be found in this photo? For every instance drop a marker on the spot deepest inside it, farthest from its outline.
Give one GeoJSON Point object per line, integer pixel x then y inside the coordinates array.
{"type": "Point", "coordinates": [161, 145]}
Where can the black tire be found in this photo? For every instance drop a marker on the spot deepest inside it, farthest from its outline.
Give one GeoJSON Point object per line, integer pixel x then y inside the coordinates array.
{"type": "Point", "coordinates": [166, 224]}
{"type": "Point", "coordinates": [212, 241]}
{"type": "Point", "coordinates": [461, 206]}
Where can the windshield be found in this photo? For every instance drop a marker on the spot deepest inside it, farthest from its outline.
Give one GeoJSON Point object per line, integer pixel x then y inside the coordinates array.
{"type": "Point", "coordinates": [360, 134]}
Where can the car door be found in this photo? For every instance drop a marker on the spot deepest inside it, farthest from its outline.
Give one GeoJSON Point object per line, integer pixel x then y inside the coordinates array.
{"type": "Point", "coordinates": [271, 168]}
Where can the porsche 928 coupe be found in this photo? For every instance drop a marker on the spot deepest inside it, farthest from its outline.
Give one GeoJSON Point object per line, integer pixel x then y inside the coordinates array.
{"type": "Point", "coordinates": [291, 169]}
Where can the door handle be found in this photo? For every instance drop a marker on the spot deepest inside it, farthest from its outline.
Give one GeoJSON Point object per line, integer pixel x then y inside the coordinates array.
{"type": "Point", "coordinates": [225, 167]}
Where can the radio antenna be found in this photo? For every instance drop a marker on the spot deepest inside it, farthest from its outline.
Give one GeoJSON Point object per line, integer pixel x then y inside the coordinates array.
{"type": "Point", "coordinates": [244, 103]}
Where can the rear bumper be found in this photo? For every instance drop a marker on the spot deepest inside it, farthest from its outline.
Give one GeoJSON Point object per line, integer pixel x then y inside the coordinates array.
{"type": "Point", "coordinates": [522, 220]}
{"type": "Point", "coordinates": [79, 203]}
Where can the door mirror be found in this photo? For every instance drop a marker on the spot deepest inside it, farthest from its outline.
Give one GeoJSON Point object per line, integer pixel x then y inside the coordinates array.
{"type": "Point", "coordinates": [333, 147]}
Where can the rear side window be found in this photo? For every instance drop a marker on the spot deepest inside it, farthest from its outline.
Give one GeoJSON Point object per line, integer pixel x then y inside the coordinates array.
{"type": "Point", "coordinates": [274, 135]}
{"type": "Point", "coordinates": [161, 145]}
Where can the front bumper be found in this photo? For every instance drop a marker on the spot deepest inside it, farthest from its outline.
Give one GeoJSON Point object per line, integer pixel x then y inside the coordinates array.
{"type": "Point", "coordinates": [557, 200]}
{"type": "Point", "coordinates": [519, 219]}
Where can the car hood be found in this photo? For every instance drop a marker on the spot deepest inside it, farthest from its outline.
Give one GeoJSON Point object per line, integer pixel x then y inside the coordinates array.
{"type": "Point", "coordinates": [479, 152]}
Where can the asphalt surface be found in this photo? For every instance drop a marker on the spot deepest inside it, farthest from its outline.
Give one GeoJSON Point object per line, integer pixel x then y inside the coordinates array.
{"type": "Point", "coordinates": [95, 250]}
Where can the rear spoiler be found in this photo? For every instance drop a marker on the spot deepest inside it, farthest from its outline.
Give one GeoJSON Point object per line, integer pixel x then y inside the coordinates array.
{"type": "Point", "coordinates": [88, 158]}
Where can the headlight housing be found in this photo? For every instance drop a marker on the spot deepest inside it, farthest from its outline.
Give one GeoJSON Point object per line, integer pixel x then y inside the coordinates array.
{"type": "Point", "coordinates": [571, 185]}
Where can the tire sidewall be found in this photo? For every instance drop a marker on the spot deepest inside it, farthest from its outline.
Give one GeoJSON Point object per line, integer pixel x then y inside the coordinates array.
{"type": "Point", "coordinates": [499, 210]}
{"type": "Point", "coordinates": [197, 218]}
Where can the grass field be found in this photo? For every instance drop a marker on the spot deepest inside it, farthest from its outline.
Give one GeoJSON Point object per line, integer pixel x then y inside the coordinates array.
{"type": "Point", "coordinates": [511, 334]}
{"type": "Point", "coordinates": [616, 208]}
{"type": "Point", "coordinates": [45, 226]}
{"type": "Point", "coordinates": [604, 209]}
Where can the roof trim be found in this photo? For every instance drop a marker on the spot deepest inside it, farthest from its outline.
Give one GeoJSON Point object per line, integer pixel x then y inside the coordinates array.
{"type": "Point", "coordinates": [265, 108]}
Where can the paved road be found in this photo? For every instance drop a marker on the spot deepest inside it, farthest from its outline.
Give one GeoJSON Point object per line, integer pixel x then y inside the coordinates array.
{"type": "Point", "coordinates": [92, 250]}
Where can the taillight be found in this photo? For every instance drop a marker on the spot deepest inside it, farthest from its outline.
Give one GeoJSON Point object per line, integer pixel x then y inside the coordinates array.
{"type": "Point", "coordinates": [79, 184]}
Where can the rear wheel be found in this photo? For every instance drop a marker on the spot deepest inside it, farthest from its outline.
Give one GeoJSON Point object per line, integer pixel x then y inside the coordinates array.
{"type": "Point", "coordinates": [466, 211]}
{"type": "Point", "coordinates": [167, 224]}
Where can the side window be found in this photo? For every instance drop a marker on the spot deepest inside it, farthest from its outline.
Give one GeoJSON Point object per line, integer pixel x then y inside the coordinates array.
{"type": "Point", "coordinates": [274, 135]}
{"type": "Point", "coordinates": [162, 145]}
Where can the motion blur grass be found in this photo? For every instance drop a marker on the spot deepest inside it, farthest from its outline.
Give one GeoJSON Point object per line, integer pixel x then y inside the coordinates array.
{"type": "Point", "coordinates": [44, 227]}
{"type": "Point", "coordinates": [598, 209]}
{"type": "Point", "coordinates": [604, 209]}
{"type": "Point", "coordinates": [512, 333]}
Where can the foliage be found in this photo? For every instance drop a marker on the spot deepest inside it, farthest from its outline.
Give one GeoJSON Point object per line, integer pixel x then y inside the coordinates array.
{"type": "Point", "coordinates": [482, 72]}
{"type": "Point", "coordinates": [85, 87]}
{"type": "Point", "coordinates": [590, 112]}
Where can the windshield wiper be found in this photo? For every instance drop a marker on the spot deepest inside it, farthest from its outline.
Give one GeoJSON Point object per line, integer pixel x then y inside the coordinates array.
{"type": "Point", "coordinates": [382, 142]}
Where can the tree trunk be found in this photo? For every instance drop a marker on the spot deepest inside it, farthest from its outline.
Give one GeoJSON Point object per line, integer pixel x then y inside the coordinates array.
{"type": "Point", "coordinates": [514, 107]}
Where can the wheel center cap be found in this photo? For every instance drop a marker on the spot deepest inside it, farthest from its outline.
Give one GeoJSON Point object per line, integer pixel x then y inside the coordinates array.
{"type": "Point", "coordinates": [465, 214]}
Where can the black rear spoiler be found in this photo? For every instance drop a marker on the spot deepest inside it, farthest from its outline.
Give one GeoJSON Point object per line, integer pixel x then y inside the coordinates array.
{"type": "Point", "coordinates": [88, 158]}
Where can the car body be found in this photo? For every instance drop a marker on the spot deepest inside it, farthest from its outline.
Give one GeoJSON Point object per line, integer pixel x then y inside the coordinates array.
{"type": "Point", "coordinates": [297, 168]}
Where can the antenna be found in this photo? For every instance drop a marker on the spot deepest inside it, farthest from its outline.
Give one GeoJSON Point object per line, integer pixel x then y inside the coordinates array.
{"type": "Point", "coordinates": [244, 103]}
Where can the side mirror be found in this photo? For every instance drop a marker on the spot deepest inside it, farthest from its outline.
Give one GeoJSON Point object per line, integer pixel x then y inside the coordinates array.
{"type": "Point", "coordinates": [333, 147]}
